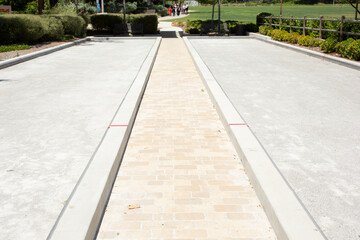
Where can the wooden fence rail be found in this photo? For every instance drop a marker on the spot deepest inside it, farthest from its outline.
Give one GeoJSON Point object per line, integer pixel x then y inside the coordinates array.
{"type": "Point", "coordinates": [321, 24]}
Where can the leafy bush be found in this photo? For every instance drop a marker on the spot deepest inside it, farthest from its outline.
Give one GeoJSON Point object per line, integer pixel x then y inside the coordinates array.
{"type": "Point", "coordinates": [328, 45]}
{"type": "Point", "coordinates": [279, 35]}
{"type": "Point", "coordinates": [131, 7]}
{"type": "Point", "coordinates": [349, 49]}
{"type": "Point", "coordinates": [21, 28]}
{"type": "Point", "coordinates": [160, 9]}
{"type": "Point", "coordinates": [31, 7]}
{"type": "Point", "coordinates": [53, 29]}
{"type": "Point", "coordinates": [194, 31]}
{"type": "Point", "coordinates": [309, 41]}
{"type": "Point", "coordinates": [85, 8]}
{"type": "Point", "coordinates": [260, 18]}
{"type": "Point", "coordinates": [64, 7]}
{"type": "Point", "coordinates": [265, 29]}
{"type": "Point", "coordinates": [292, 37]}
{"type": "Point", "coordinates": [72, 24]}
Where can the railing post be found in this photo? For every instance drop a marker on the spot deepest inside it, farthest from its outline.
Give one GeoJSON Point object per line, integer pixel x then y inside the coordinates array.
{"type": "Point", "coordinates": [342, 27]}
{"type": "Point", "coordinates": [271, 20]}
{"type": "Point", "coordinates": [291, 19]}
{"type": "Point", "coordinates": [321, 25]}
{"type": "Point", "coordinates": [304, 26]}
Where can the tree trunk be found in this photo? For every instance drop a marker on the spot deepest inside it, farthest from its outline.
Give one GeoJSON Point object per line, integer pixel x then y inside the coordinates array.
{"type": "Point", "coordinates": [356, 9]}
{"type": "Point", "coordinates": [219, 19]}
{"type": "Point", "coordinates": [40, 6]}
{"type": "Point", "coordinates": [281, 2]}
{"type": "Point", "coordinates": [213, 10]}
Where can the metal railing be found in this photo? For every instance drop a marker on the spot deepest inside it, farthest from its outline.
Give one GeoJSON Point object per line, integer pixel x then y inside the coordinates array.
{"type": "Point", "coordinates": [321, 20]}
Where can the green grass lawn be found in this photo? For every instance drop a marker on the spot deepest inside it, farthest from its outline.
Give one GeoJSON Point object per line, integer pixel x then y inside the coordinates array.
{"type": "Point", "coordinates": [248, 14]}
{"type": "Point", "coordinates": [8, 48]}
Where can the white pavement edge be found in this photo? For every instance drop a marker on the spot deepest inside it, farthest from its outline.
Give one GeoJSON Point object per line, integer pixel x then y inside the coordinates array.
{"type": "Point", "coordinates": [341, 61]}
{"type": "Point", "coordinates": [288, 217]}
{"type": "Point", "coordinates": [27, 57]}
{"type": "Point", "coordinates": [82, 214]}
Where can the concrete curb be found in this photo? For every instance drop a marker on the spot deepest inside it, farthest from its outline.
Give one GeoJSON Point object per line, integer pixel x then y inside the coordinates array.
{"type": "Point", "coordinates": [337, 60]}
{"type": "Point", "coordinates": [27, 57]}
{"type": "Point", "coordinates": [82, 214]}
{"type": "Point", "coordinates": [287, 215]}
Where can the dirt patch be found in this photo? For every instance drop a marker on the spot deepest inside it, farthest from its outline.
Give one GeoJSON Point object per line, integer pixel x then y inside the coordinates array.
{"type": "Point", "coordinates": [33, 48]}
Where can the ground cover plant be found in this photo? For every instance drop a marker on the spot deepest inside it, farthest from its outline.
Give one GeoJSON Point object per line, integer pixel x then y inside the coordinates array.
{"type": "Point", "coordinates": [13, 47]}
{"type": "Point", "coordinates": [248, 14]}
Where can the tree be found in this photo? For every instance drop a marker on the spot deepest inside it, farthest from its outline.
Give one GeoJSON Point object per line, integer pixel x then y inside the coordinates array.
{"type": "Point", "coordinates": [356, 6]}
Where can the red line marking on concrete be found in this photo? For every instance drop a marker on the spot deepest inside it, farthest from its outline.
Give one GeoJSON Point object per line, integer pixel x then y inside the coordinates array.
{"type": "Point", "coordinates": [238, 124]}
{"type": "Point", "coordinates": [117, 126]}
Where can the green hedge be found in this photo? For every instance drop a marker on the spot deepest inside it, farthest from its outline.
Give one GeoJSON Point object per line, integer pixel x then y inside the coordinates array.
{"type": "Point", "coordinates": [106, 22]}
{"type": "Point", "coordinates": [72, 24]}
{"type": "Point", "coordinates": [21, 28]}
{"type": "Point", "coordinates": [349, 48]}
{"type": "Point", "coordinates": [196, 24]}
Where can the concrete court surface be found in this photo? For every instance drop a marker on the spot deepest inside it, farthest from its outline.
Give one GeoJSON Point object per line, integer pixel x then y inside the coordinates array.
{"type": "Point", "coordinates": [306, 113]}
{"type": "Point", "coordinates": [54, 111]}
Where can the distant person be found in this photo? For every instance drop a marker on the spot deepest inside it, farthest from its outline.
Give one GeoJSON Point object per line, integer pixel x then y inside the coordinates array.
{"type": "Point", "coordinates": [170, 10]}
{"type": "Point", "coordinates": [178, 10]}
{"type": "Point", "coordinates": [187, 8]}
{"type": "Point", "coordinates": [173, 10]}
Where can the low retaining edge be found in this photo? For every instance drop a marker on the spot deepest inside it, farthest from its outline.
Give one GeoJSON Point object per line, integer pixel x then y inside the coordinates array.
{"type": "Point", "coordinates": [82, 214]}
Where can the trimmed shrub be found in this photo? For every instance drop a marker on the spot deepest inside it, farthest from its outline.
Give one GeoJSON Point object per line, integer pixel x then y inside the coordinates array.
{"type": "Point", "coordinates": [72, 24]}
{"type": "Point", "coordinates": [160, 9]}
{"type": "Point", "coordinates": [279, 35]}
{"type": "Point", "coordinates": [194, 31]}
{"type": "Point", "coordinates": [105, 22]}
{"type": "Point", "coordinates": [265, 30]}
{"type": "Point", "coordinates": [53, 29]}
{"type": "Point", "coordinates": [349, 49]}
{"type": "Point", "coordinates": [328, 45]}
{"type": "Point", "coordinates": [150, 22]}
{"type": "Point", "coordinates": [309, 41]}
{"type": "Point", "coordinates": [21, 28]}
{"type": "Point", "coordinates": [292, 37]}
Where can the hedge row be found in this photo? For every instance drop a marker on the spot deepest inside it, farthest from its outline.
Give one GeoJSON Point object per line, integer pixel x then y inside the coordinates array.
{"type": "Point", "coordinates": [18, 28]}
{"type": "Point", "coordinates": [347, 26]}
{"type": "Point", "coordinates": [195, 26]}
{"type": "Point", "coordinates": [106, 22]}
{"type": "Point", "coordinates": [348, 49]}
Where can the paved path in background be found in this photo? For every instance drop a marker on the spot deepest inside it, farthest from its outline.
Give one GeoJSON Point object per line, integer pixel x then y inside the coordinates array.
{"type": "Point", "coordinates": [54, 111]}
{"type": "Point", "coordinates": [180, 171]}
{"type": "Point", "coordinates": [306, 113]}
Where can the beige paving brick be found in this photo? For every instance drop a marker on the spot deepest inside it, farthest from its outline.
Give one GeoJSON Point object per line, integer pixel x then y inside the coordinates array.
{"type": "Point", "coordinates": [180, 165]}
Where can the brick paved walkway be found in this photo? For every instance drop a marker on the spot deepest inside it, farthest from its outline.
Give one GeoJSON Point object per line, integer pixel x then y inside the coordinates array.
{"type": "Point", "coordinates": [180, 172]}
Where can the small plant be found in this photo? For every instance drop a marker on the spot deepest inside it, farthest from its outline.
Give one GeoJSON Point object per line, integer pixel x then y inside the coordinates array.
{"type": "Point", "coordinates": [309, 41]}
{"type": "Point", "coordinates": [265, 30]}
{"type": "Point", "coordinates": [349, 49]}
{"type": "Point", "coordinates": [194, 31]}
{"type": "Point", "coordinates": [292, 37]}
{"type": "Point", "coordinates": [328, 45]}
